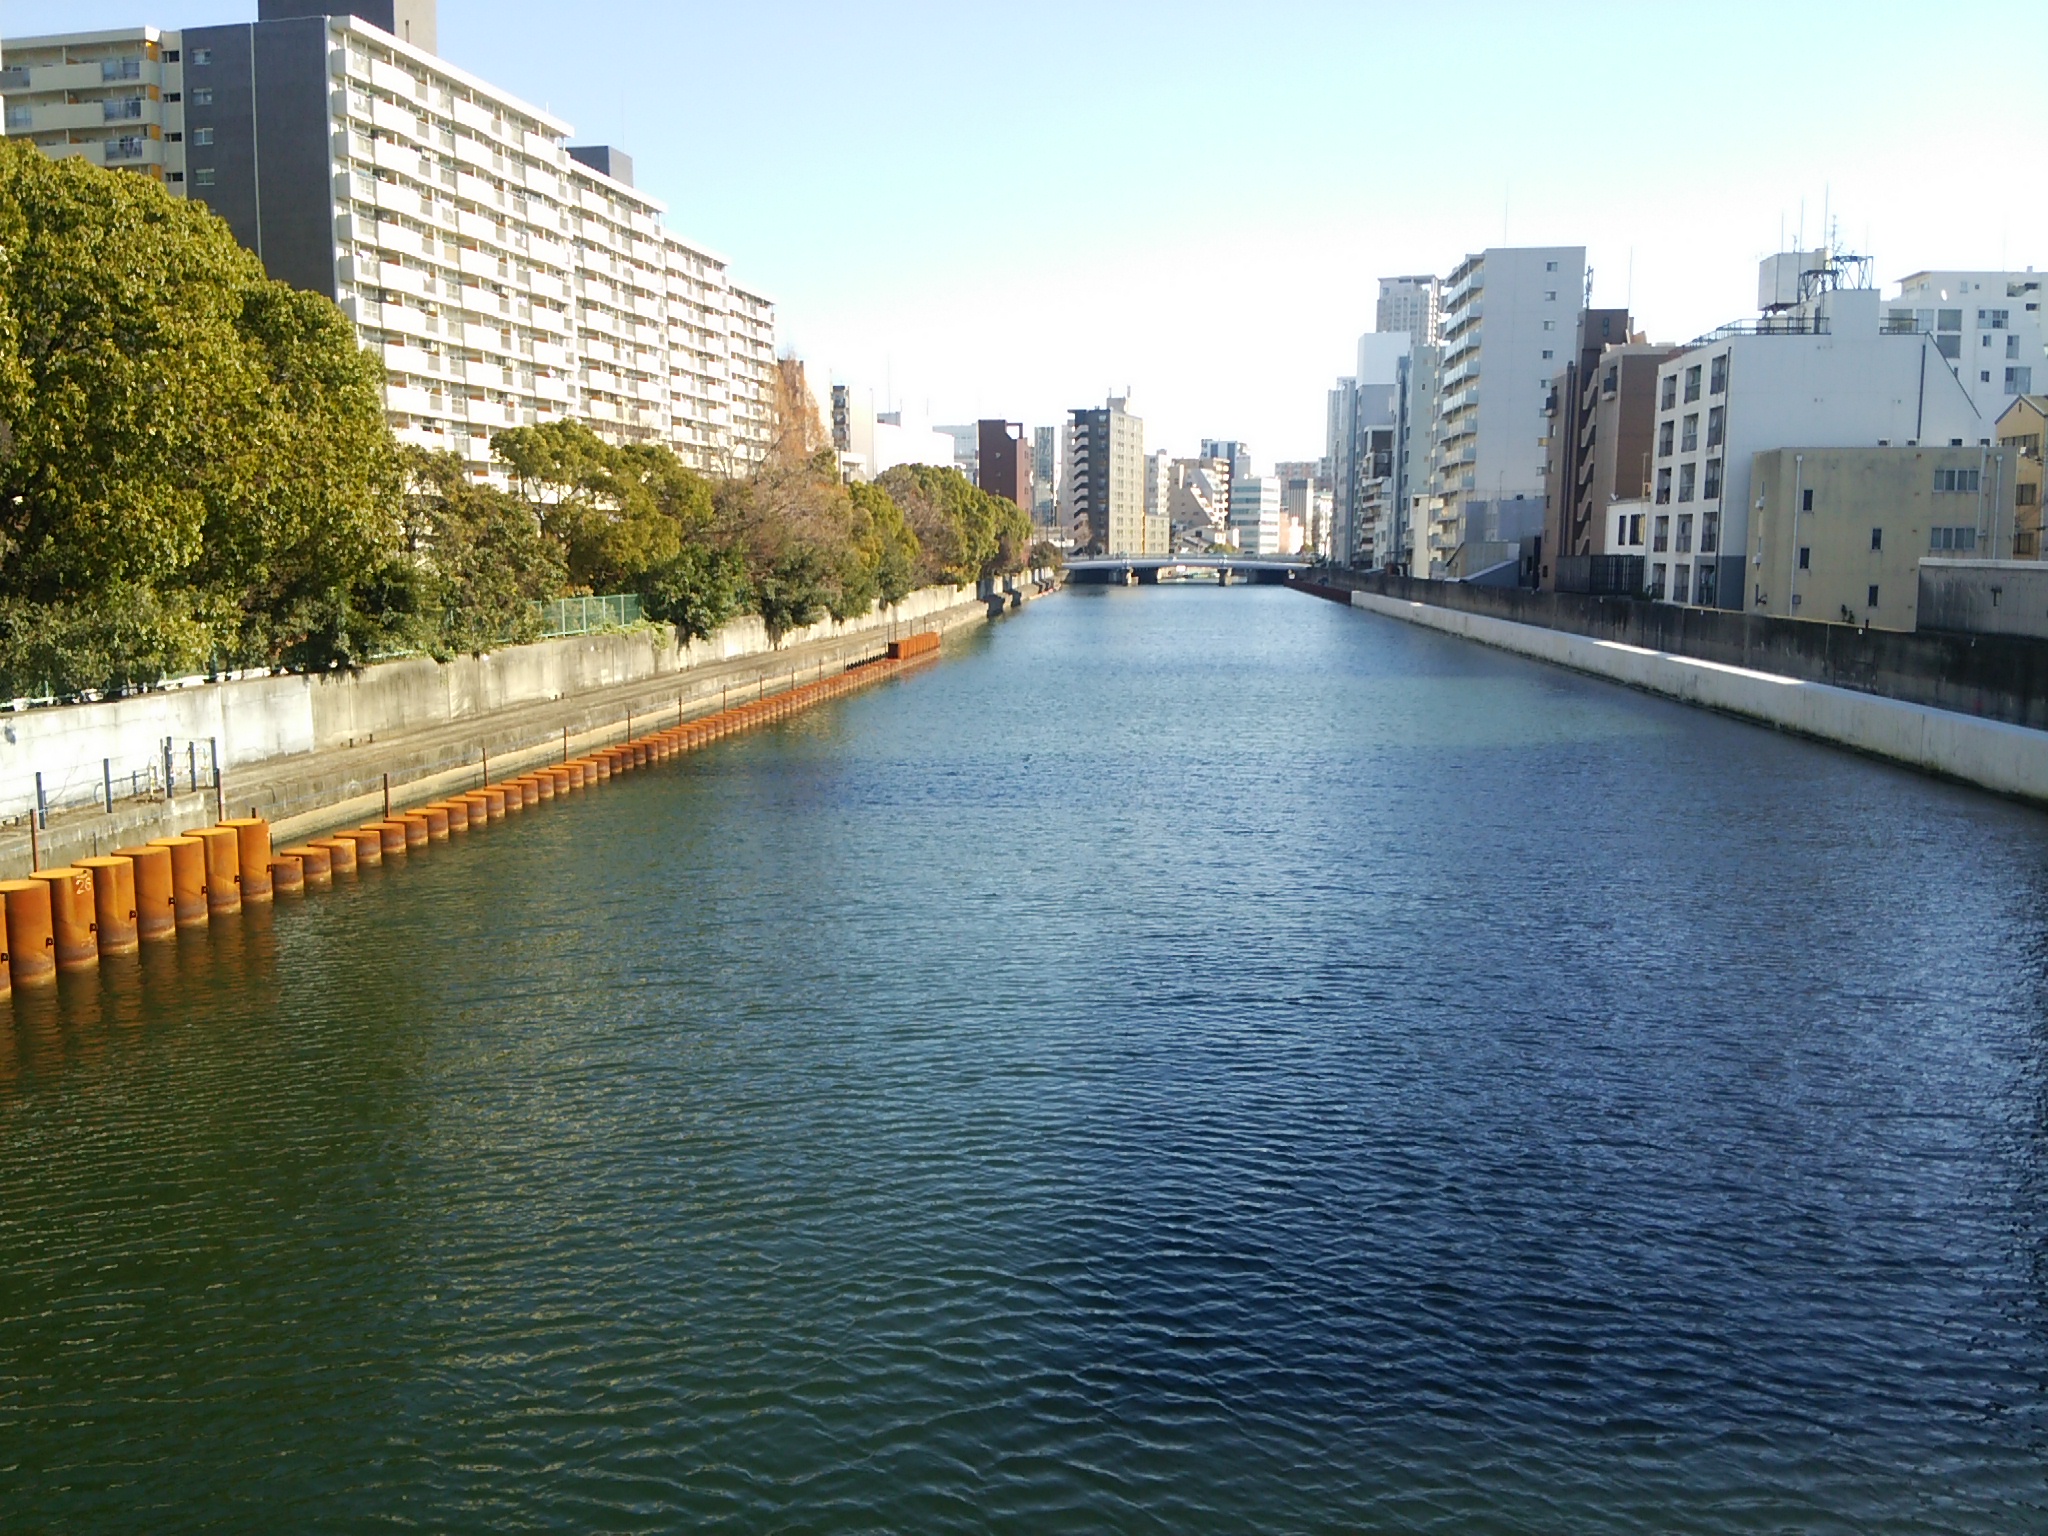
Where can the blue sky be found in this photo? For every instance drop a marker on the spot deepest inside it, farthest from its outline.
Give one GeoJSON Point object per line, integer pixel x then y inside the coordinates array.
{"type": "Point", "coordinates": [1011, 210]}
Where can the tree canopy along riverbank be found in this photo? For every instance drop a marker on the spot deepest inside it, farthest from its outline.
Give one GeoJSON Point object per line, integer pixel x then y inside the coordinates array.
{"type": "Point", "coordinates": [197, 475]}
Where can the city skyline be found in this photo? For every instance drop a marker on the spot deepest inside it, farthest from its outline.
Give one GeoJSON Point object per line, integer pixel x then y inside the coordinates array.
{"type": "Point", "coordinates": [840, 174]}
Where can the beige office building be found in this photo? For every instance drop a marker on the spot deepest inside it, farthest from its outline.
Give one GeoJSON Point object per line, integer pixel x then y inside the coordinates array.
{"type": "Point", "coordinates": [1838, 533]}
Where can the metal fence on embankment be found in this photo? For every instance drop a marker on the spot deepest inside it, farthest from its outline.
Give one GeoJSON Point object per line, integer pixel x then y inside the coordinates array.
{"type": "Point", "coordinates": [587, 615]}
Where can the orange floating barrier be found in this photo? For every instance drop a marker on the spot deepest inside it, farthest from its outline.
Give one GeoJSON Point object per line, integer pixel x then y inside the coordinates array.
{"type": "Point", "coordinates": [369, 841]}
{"type": "Point", "coordinates": [602, 765]}
{"type": "Point", "coordinates": [391, 836]}
{"type": "Point", "coordinates": [419, 831]}
{"type": "Point", "coordinates": [562, 781]}
{"type": "Point", "coordinates": [288, 875]}
{"type": "Point", "coordinates": [436, 818]}
{"type": "Point", "coordinates": [156, 909]}
{"type": "Point", "coordinates": [543, 782]}
{"type": "Point", "coordinates": [6, 964]}
{"type": "Point", "coordinates": [640, 758]}
{"type": "Point", "coordinates": [113, 903]}
{"type": "Point", "coordinates": [576, 776]}
{"type": "Point", "coordinates": [31, 938]}
{"type": "Point", "coordinates": [458, 812]}
{"type": "Point", "coordinates": [223, 868]}
{"type": "Point", "coordinates": [496, 802]}
{"type": "Point", "coordinates": [920, 644]}
{"type": "Point", "coordinates": [188, 878]}
{"type": "Point", "coordinates": [343, 853]}
{"type": "Point", "coordinates": [316, 863]}
{"type": "Point", "coordinates": [476, 807]}
{"type": "Point", "coordinates": [252, 856]}
{"type": "Point", "coordinates": [74, 917]}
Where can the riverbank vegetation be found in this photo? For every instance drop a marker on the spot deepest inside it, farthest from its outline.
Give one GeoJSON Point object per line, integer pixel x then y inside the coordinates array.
{"type": "Point", "coordinates": [196, 476]}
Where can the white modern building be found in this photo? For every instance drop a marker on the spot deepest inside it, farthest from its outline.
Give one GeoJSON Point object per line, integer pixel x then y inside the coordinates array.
{"type": "Point", "coordinates": [1987, 324]}
{"type": "Point", "coordinates": [503, 275]}
{"type": "Point", "coordinates": [1198, 504]}
{"type": "Point", "coordinates": [1408, 305]}
{"type": "Point", "coordinates": [1366, 415]}
{"type": "Point", "coordinates": [1507, 316]}
{"type": "Point", "coordinates": [1255, 514]}
{"type": "Point", "coordinates": [1823, 367]}
{"type": "Point", "coordinates": [871, 442]}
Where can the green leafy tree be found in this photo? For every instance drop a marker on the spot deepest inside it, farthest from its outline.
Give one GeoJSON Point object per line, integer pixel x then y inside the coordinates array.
{"type": "Point", "coordinates": [700, 589]}
{"type": "Point", "coordinates": [194, 466]}
{"type": "Point", "coordinates": [966, 534]}
{"type": "Point", "coordinates": [482, 560]}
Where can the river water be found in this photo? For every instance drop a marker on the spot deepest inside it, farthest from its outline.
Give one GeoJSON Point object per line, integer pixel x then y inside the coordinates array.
{"type": "Point", "coordinates": [1192, 1061]}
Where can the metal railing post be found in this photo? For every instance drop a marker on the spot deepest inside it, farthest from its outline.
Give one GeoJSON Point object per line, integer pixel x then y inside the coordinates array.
{"type": "Point", "coordinates": [107, 776]}
{"type": "Point", "coordinates": [219, 806]}
{"type": "Point", "coordinates": [42, 816]}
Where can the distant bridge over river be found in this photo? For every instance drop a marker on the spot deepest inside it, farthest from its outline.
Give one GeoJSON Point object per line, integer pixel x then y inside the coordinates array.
{"type": "Point", "coordinates": [1147, 570]}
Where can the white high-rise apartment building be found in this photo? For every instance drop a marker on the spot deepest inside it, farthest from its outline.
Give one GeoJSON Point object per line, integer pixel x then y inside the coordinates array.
{"type": "Point", "coordinates": [1408, 305]}
{"type": "Point", "coordinates": [1508, 315]}
{"type": "Point", "coordinates": [503, 276]}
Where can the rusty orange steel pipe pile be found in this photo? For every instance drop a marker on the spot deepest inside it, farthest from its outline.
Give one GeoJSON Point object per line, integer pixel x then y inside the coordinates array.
{"type": "Point", "coordinates": [64, 920]}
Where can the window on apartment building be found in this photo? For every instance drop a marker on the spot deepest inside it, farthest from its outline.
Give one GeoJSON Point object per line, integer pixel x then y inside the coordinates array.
{"type": "Point", "coordinates": [1717, 425]}
{"type": "Point", "coordinates": [174, 95]}
{"type": "Point", "coordinates": [170, 55]}
{"type": "Point", "coordinates": [1956, 480]}
{"type": "Point", "coordinates": [1950, 347]}
{"type": "Point", "coordinates": [1612, 381]}
{"type": "Point", "coordinates": [1657, 581]}
{"type": "Point", "coordinates": [174, 138]}
{"type": "Point", "coordinates": [177, 176]}
{"type": "Point", "coordinates": [1550, 296]}
{"type": "Point", "coordinates": [1668, 397]}
{"type": "Point", "coordinates": [1806, 501]}
{"type": "Point", "coordinates": [1550, 266]}
{"type": "Point", "coordinates": [1689, 435]}
{"type": "Point", "coordinates": [1548, 355]}
{"type": "Point", "coordinates": [1635, 530]}
{"type": "Point", "coordinates": [1550, 325]}
{"type": "Point", "coordinates": [202, 178]}
{"type": "Point", "coordinates": [2019, 381]}
{"type": "Point", "coordinates": [1685, 533]}
{"type": "Point", "coordinates": [1664, 486]}
{"type": "Point", "coordinates": [202, 137]}
{"type": "Point", "coordinates": [1660, 535]}
{"type": "Point", "coordinates": [202, 98]}
{"type": "Point", "coordinates": [1688, 481]}
{"type": "Point", "coordinates": [1993, 319]}
{"type": "Point", "coordinates": [1692, 383]}
{"type": "Point", "coordinates": [1871, 601]}
{"type": "Point", "coordinates": [202, 57]}
{"type": "Point", "coordinates": [2012, 345]}
{"type": "Point", "coordinates": [1681, 583]}
{"type": "Point", "coordinates": [1709, 585]}
{"type": "Point", "coordinates": [1710, 533]}
{"type": "Point", "coordinates": [1951, 541]}
{"type": "Point", "coordinates": [1806, 557]}
{"type": "Point", "coordinates": [1717, 383]}
{"type": "Point", "coordinates": [1877, 538]}
{"type": "Point", "coordinates": [1710, 489]}
{"type": "Point", "coordinates": [1665, 429]}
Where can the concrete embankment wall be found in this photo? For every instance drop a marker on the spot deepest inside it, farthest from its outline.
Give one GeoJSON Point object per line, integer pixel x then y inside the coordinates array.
{"type": "Point", "coordinates": [2010, 759]}
{"type": "Point", "coordinates": [2002, 677]}
{"type": "Point", "coordinates": [310, 751]}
